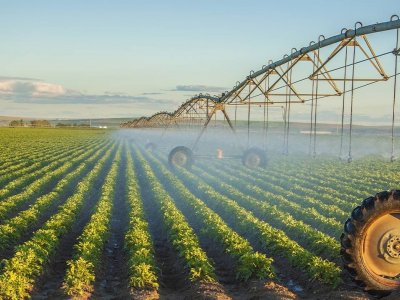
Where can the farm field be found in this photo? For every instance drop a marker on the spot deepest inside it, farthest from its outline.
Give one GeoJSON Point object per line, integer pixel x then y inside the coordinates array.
{"type": "Point", "coordinates": [91, 214]}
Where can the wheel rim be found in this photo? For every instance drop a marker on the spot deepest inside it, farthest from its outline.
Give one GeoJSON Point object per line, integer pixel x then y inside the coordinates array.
{"type": "Point", "coordinates": [180, 159]}
{"type": "Point", "coordinates": [253, 160]}
{"type": "Point", "coordinates": [381, 249]}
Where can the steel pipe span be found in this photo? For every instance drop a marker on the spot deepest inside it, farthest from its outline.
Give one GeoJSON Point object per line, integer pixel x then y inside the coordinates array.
{"type": "Point", "coordinates": [345, 38]}
{"type": "Point", "coordinates": [385, 26]}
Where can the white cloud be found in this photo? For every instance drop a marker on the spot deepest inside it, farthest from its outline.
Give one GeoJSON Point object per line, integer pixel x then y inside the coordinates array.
{"type": "Point", "coordinates": [30, 88]}
{"type": "Point", "coordinates": [199, 88]}
{"type": "Point", "coordinates": [25, 90]}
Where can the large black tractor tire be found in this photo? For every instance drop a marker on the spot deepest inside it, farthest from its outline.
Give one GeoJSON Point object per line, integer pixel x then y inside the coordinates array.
{"type": "Point", "coordinates": [254, 158]}
{"type": "Point", "coordinates": [151, 147]}
{"type": "Point", "coordinates": [370, 244]}
{"type": "Point", "coordinates": [181, 156]}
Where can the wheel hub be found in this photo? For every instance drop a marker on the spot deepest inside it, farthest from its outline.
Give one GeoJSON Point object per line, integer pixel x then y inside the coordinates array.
{"type": "Point", "coordinates": [393, 249]}
{"type": "Point", "coordinates": [253, 160]}
{"type": "Point", "coordinates": [381, 247]}
{"type": "Point", "coordinates": [179, 159]}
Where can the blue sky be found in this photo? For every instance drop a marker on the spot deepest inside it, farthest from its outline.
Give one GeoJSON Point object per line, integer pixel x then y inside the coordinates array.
{"type": "Point", "coordinates": [128, 58]}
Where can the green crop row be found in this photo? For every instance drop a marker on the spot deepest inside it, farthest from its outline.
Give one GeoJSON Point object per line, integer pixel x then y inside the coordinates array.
{"type": "Point", "coordinates": [19, 273]}
{"type": "Point", "coordinates": [303, 182]}
{"type": "Point", "coordinates": [272, 239]}
{"type": "Point", "coordinates": [308, 215]}
{"type": "Point", "coordinates": [181, 235]}
{"type": "Point", "coordinates": [11, 159]}
{"type": "Point", "coordinates": [11, 230]}
{"type": "Point", "coordinates": [138, 243]}
{"type": "Point", "coordinates": [249, 264]}
{"type": "Point", "coordinates": [40, 161]}
{"type": "Point", "coordinates": [13, 202]}
{"type": "Point", "coordinates": [25, 180]}
{"type": "Point", "coordinates": [300, 184]}
{"type": "Point", "coordinates": [80, 275]}
{"type": "Point", "coordinates": [319, 243]}
{"type": "Point", "coordinates": [331, 211]}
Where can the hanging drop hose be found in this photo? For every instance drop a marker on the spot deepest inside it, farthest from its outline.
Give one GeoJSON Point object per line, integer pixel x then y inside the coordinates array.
{"type": "Point", "coordinates": [316, 99]}
{"type": "Point", "coordinates": [248, 121]}
{"type": "Point", "coordinates": [312, 108]}
{"type": "Point", "coordinates": [395, 52]}
{"type": "Point", "coordinates": [288, 114]}
{"type": "Point", "coordinates": [350, 158]}
{"type": "Point", "coordinates": [285, 122]}
{"type": "Point", "coordinates": [343, 104]}
{"type": "Point", "coordinates": [264, 124]}
{"type": "Point", "coordinates": [235, 114]}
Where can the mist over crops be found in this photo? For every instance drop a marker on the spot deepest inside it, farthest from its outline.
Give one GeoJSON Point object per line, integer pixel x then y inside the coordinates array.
{"type": "Point", "coordinates": [365, 140]}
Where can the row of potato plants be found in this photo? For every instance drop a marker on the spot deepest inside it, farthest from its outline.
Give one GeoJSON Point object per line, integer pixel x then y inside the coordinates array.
{"type": "Point", "coordinates": [302, 187]}
{"type": "Point", "coordinates": [138, 244]}
{"type": "Point", "coordinates": [299, 184]}
{"type": "Point", "coordinates": [23, 145]}
{"type": "Point", "coordinates": [39, 162]}
{"type": "Point", "coordinates": [12, 157]}
{"type": "Point", "coordinates": [326, 189]}
{"type": "Point", "coordinates": [23, 182]}
{"type": "Point", "coordinates": [323, 178]}
{"type": "Point", "coordinates": [330, 211]}
{"type": "Point", "coordinates": [249, 263]}
{"type": "Point", "coordinates": [12, 229]}
{"type": "Point", "coordinates": [180, 233]}
{"type": "Point", "coordinates": [272, 240]}
{"type": "Point", "coordinates": [347, 176]}
{"type": "Point", "coordinates": [26, 154]}
{"type": "Point", "coordinates": [16, 279]}
{"type": "Point", "coordinates": [318, 242]}
{"type": "Point", "coordinates": [356, 172]}
{"type": "Point", "coordinates": [308, 215]}
{"type": "Point", "coordinates": [38, 187]}
{"type": "Point", "coordinates": [81, 269]}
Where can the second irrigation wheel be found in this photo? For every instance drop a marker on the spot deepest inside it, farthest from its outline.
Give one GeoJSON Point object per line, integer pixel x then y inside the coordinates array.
{"type": "Point", "coordinates": [181, 156]}
{"type": "Point", "coordinates": [254, 158]}
{"type": "Point", "coordinates": [370, 245]}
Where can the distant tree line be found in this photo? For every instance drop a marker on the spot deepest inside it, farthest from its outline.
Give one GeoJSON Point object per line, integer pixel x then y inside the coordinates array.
{"type": "Point", "coordinates": [85, 125]}
{"type": "Point", "coordinates": [33, 123]}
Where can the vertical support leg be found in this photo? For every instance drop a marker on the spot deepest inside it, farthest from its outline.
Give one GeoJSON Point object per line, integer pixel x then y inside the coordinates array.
{"type": "Point", "coordinates": [209, 117]}
{"type": "Point", "coordinates": [232, 128]}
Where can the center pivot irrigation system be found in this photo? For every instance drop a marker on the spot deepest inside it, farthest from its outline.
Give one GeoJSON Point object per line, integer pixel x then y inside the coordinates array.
{"type": "Point", "coordinates": [331, 67]}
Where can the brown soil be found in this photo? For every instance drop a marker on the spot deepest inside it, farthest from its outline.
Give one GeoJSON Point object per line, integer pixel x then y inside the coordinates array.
{"type": "Point", "coordinates": [172, 274]}
{"type": "Point", "coordinates": [112, 278]}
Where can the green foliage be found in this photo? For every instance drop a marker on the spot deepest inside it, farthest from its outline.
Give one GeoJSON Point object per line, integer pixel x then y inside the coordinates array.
{"type": "Point", "coordinates": [81, 269]}
{"type": "Point", "coordinates": [249, 263]}
{"type": "Point", "coordinates": [141, 263]}
{"type": "Point", "coordinates": [271, 239]}
{"type": "Point", "coordinates": [40, 123]}
{"type": "Point", "coordinates": [277, 216]}
{"type": "Point", "coordinates": [181, 235]}
{"type": "Point", "coordinates": [12, 229]}
{"type": "Point", "coordinates": [294, 210]}
{"type": "Point", "coordinates": [16, 279]}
